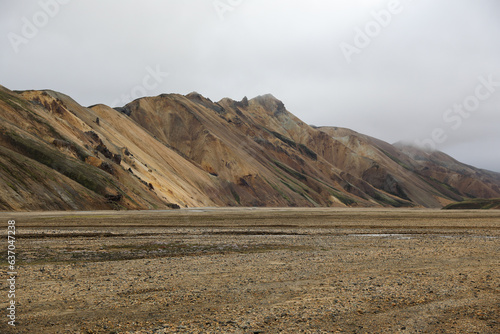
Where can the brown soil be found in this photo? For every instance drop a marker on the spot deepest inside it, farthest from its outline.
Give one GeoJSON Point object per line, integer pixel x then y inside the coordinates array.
{"type": "Point", "coordinates": [256, 271]}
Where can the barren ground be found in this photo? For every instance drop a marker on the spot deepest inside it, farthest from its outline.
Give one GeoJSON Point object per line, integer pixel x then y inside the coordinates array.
{"type": "Point", "coordinates": [255, 271]}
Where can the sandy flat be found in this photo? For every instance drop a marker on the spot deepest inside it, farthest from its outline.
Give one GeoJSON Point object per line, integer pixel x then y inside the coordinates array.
{"type": "Point", "coordinates": [251, 270]}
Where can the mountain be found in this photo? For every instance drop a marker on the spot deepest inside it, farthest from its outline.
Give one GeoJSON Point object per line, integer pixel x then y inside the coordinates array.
{"type": "Point", "coordinates": [174, 150]}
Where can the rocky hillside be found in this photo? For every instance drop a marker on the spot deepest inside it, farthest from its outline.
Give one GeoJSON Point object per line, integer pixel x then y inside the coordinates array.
{"type": "Point", "coordinates": [174, 150]}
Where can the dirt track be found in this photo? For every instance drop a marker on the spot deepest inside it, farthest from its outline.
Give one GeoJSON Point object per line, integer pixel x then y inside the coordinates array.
{"type": "Point", "coordinates": [256, 270]}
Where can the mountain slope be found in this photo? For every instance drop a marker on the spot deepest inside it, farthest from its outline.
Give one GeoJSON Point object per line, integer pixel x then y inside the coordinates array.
{"type": "Point", "coordinates": [53, 130]}
{"type": "Point", "coordinates": [157, 152]}
{"type": "Point", "coordinates": [365, 170]}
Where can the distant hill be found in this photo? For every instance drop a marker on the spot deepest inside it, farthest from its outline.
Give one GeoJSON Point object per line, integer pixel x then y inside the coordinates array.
{"type": "Point", "coordinates": [483, 204]}
{"type": "Point", "coordinates": [168, 150]}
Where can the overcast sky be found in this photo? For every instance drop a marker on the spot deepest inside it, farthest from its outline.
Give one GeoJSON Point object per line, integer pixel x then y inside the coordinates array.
{"type": "Point", "coordinates": [421, 70]}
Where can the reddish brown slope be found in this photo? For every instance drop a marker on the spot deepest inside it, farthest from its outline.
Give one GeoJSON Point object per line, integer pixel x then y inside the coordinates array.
{"type": "Point", "coordinates": [258, 167]}
{"type": "Point", "coordinates": [250, 138]}
{"type": "Point", "coordinates": [188, 150]}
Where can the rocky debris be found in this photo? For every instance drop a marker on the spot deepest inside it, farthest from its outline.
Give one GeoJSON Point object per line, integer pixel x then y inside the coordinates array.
{"type": "Point", "coordinates": [267, 279]}
{"type": "Point", "coordinates": [94, 137]}
{"type": "Point", "coordinates": [206, 102]}
{"type": "Point", "coordinates": [113, 198]}
{"type": "Point", "coordinates": [104, 150]}
{"type": "Point", "coordinates": [242, 182]}
{"type": "Point", "coordinates": [55, 105]}
{"type": "Point", "coordinates": [237, 121]}
{"type": "Point", "coordinates": [173, 206]}
{"type": "Point", "coordinates": [125, 110]}
{"type": "Point", "coordinates": [108, 168]}
{"type": "Point", "coordinates": [101, 147]}
{"type": "Point", "coordinates": [117, 159]}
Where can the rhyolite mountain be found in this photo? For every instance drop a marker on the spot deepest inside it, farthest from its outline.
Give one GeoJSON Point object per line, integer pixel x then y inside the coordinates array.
{"type": "Point", "coordinates": [174, 151]}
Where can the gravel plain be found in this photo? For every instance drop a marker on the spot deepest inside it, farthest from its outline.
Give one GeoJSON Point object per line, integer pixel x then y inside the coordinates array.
{"type": "Point", "coordinates": [256, 271]}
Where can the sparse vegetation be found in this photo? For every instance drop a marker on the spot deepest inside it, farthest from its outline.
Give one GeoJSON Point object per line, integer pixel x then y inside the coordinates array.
{"type": "Point", "coordinates": [344, 199]}
{"type": "Point", "coordinates": [396, 160]}
{"type": "Point", "coordinates": [475, 204]}
{"type": "Point", "coordinates": [284, 139]}
{"type": "Point", "coordinates": [14, 102]}
{"type": "Point", "coordinates": [86, 175]}
{"type": "Point", "coordinates": [236, 196]}
{"type": "Point", "coordinates": [384, 199]}
{"type": "Point", "coordinates": [447, 186]}
{"type": "Point", "coordinates": [276, 188]}
{"type": "Point", "coordinates": [301, 147]}
{"type": "Point", "coordinates": [290, 171]}
{"type": "Point", "coordinates": [307, 151]}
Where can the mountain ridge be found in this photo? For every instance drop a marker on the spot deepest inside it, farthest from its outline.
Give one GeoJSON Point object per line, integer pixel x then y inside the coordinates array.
{"type": "Point", "coordinates": [172, 149]}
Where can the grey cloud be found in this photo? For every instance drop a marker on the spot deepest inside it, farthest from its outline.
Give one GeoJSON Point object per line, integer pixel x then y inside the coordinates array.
{"type": "Point", "coordinates": [397, 88]}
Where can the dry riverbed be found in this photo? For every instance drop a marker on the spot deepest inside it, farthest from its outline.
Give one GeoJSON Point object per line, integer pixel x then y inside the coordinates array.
{"type": "Point", "coordinates": [255, 271]}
